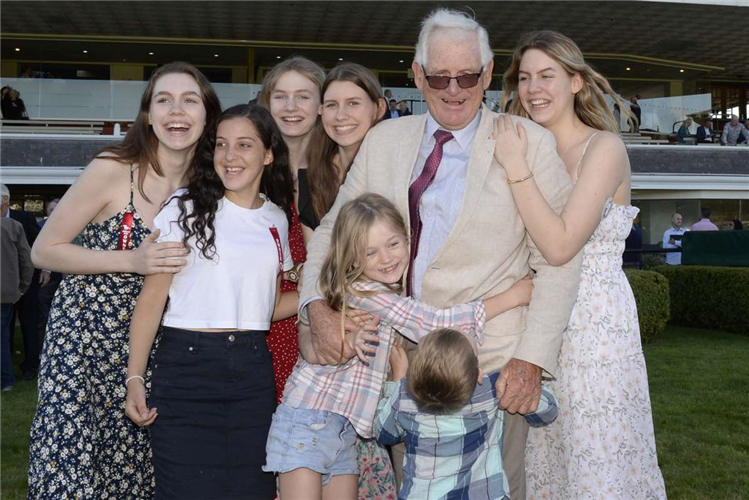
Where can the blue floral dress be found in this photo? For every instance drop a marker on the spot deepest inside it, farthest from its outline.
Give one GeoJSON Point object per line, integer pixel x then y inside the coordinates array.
{"type": "Point", "coordinates": [82, 444]}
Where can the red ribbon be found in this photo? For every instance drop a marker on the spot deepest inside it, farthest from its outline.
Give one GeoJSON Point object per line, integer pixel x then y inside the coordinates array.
{"type": "Point", "coordinates": [125, 231]}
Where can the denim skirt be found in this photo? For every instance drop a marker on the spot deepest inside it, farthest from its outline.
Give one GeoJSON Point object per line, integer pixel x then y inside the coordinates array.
{"type": "Point", "coordinates": [215, 396]}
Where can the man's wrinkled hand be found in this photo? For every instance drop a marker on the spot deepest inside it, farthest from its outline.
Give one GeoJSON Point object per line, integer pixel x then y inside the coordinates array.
{"type": "Point", "coordinates": [519, 387]}
{"type": "Point", "coordinates": [326, 334]}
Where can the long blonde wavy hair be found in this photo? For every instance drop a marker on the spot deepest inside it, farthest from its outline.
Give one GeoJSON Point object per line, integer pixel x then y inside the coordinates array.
{"type": "Point", "coordinates": [590, 105]}
{"type": "Point", "coordinates": [347, 256]}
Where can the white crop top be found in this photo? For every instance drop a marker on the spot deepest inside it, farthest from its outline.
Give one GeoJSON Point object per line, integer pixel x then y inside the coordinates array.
{"type": "Point", "coordinates": [237, 289]}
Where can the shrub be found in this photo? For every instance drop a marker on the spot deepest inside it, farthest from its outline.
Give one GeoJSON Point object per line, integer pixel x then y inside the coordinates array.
{"type": "Point", "coordinates": [653, 260]}
{"type": "Point", "coordinates": [652, 297]}
{"type": "Point", "coordinates": [709, 297]}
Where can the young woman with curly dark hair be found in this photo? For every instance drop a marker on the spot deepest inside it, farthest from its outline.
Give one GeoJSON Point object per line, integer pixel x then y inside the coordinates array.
{"type": "Point", "coordinates": [213, 391]}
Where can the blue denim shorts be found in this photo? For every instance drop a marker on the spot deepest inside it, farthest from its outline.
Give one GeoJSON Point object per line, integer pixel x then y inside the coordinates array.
{"type": "Point", "coordinates": [321, 441]}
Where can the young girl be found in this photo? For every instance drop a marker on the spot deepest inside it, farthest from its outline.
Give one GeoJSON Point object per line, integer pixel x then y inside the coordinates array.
{"type": "Point", "coordinates": [81, 447]}
{"type": "Point", "coordinates": [602, 444]}
{"type": "Point", "coordinates": [352, 104]}
{"type": "Point", "coordinates": [291, 92]}
{"type": "Point", "coordinates": [213, 388]}
{"type": "Point", "coordinates": [312, 439]}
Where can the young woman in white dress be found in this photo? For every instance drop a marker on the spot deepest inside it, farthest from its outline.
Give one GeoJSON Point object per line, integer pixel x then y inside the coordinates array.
{"type": "Point", "coordinates": [602, 445]}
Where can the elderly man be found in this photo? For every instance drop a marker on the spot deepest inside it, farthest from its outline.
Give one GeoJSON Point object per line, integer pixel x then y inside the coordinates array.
{"type": "Point", "coordinates": [733, 132]}
{"type": "Point", "coordinates": [17, 270]}
{"type": "Point", "coordinates": [470, 241]}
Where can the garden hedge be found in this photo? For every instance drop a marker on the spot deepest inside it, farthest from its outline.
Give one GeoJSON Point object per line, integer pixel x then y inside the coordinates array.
{"type": "Point", "coordinates": [652, 297]}
{"type": "Point", "coordinates": [709, 297]}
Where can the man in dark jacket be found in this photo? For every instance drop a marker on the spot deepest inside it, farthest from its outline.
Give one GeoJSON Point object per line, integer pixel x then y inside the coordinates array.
{"type": "Point", "coordinates": [17, 271]}
{"type": "Point", "coordinates": [27, 309]}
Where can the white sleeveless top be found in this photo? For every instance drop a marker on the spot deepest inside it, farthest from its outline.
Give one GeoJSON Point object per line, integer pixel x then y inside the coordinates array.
{"type": "Point", "coordinates": [237, 288]}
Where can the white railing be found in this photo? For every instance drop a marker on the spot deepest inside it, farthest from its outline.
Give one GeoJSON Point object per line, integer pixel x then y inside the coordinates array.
{"type": "Point", "coordinates": [120, 100]}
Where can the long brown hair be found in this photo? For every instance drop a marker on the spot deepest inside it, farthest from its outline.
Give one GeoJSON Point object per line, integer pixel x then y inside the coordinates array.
{"type": "Point", "coordinates": [344, 264]}
{"type": "Point", "coordinates": [140, 145]}
{"type": "Point", "coordinates": [590, 105]}
{"type": "Point", "coordinates": [323, 176]}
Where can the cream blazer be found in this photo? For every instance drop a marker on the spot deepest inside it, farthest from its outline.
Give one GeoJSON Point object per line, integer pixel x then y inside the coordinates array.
{"type": "Point", "coordinates": [487, 250]}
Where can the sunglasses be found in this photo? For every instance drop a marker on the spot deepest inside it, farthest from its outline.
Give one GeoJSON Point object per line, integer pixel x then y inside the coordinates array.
{"type": "Point", "coordinates": [440, 82]}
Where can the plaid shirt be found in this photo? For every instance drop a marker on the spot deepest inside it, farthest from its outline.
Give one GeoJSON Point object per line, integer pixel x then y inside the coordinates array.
{"type": "Point", "coordinates": [353, 389]}
{"type": "Point", "coordinates": [455, 456]}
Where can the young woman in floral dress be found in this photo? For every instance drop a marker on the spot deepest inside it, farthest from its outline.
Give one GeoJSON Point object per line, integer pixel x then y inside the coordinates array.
{"type": "Point", "coordinates": [81, 446]}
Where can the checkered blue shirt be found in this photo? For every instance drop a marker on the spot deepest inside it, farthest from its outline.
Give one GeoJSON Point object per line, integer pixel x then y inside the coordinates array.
{"type": "Point", "coordinates": [353, 389]}
{"type": "Point", "coordinates": [456, 456]}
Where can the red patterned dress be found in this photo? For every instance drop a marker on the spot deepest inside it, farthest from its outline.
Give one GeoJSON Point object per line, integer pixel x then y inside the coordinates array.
{"type": "Point", "coordinates": [282, 340]}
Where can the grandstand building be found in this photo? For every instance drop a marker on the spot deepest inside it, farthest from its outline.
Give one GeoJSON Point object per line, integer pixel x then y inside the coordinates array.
{"type": "Point", "coordinates": [81, 67]}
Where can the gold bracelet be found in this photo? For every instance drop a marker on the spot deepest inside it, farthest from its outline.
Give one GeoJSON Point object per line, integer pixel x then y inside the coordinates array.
{"type": "Point", "coordinates": [520, 180]}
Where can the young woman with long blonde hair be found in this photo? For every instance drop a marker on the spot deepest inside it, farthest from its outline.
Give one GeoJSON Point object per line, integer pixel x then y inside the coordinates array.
{"type": "Point", "coordinates": [602, 444]}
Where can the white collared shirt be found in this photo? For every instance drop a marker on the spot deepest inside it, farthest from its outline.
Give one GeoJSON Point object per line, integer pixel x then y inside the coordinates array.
{"type": "Point", "coordinates": [442, 200]}
{"type": "Point", "coordinates": [673, 258]}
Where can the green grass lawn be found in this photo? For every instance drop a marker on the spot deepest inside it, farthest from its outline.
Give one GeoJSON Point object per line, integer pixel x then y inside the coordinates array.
{"type": "Point", "coordinates": [16, 411]}
{"type": "Point", "coordinates": [697, 380]}
{"type": "Point", "coordinates": [697, 386]}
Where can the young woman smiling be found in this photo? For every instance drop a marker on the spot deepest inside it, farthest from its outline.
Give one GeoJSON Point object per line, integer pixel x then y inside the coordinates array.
{"type": "Point", "coordinates": [291, 92]}
{"type": "Point", "coordinates": [81, 446]}
{"type": "Point", "coordinates": [351, 105]}
{"type": "Point", "coordinates": [602, 444]}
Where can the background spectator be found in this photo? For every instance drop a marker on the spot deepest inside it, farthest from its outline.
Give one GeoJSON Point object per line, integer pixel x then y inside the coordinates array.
{"type": "Point", "coordinates": [705, 131]}
{"type": "Point", "coordinates": [27, 308]}
{"type": "Point", "coordinates": [735, 225]}
{"type": "Point", "coordinates": [684, 132]}
{"type": "Point", "coordinates": [618, 116]}
{"type": "Point", "coordinates": [635, 111]}
{"type": "Point", "coordinates": [14, 108]}
{"type": "Point", "coordinates": [403, 109]}
{"type": "Point", "coordinates": [732, 132]}
{"type": "Point", "coordinates": [633, 242]}
{"type": "Point", "coordinates": [392, 111]}
{"type": "Point", "coordinates": [5, 98]}
{"type": "Point", "coordinates": [705, 224]}
{"type": "Point", "coordinates": [744, 138]}
{"type": "Point", "coordinates": [672, 239]}
{"type": "Point", "coordinates": [49, 282]}
{"type": "Point", "coordinates": [3, 92]}
{"type": "Point", "coordinates": [17, 270]}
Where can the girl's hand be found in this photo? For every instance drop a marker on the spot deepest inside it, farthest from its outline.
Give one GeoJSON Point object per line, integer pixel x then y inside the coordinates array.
{"type": "Point", "coordinates": [359, 316]}
{"type": "Point", "coordinates": [510, 147]}
{"type": "Point", "coordinates": [522, 290]}
{"type": "Point", "coordinates": [135, 405]}
{"type": "Point", "coordinates": [398, 362]}
{"type": "Point", "coordinates": [154, 258]}
{"type": "Point", "coordinates": [364, 341]}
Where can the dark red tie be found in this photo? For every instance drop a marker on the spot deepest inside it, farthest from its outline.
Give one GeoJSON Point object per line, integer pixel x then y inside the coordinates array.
{"type": "Point", "coordinates": [414, 197]}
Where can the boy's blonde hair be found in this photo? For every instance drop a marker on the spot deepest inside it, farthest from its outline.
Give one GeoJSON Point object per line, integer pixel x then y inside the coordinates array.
{"type": "Point", "coordinates": [347, 255]}
{"type": "Point", "coordinates": [443, 373]}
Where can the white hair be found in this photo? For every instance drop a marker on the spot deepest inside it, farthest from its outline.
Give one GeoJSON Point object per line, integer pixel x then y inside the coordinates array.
{"type": "Point", "coordinates": [4, 191]}
{"type": "Point", "coordinates": [446, 19]}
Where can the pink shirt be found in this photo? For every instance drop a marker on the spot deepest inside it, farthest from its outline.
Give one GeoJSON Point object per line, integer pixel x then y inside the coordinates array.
{"type": "Point", "coordinates": [704, 225]}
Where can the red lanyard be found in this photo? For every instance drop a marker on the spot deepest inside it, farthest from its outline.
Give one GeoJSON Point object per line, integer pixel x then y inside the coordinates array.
{"type": "Point", "coordinates": [125, 231]}
{"type": "Point", "coordinates": [277, 239]}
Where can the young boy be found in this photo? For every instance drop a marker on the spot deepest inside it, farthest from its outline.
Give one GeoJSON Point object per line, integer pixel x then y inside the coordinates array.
{"type": "Point", "coordinates": [452, 427]}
